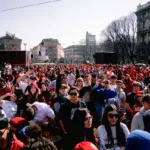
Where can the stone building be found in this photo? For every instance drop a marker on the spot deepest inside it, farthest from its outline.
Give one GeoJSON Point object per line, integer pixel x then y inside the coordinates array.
{"type": "Point", "coordinates": [143, 33]}
{"type": "Point", "coordinates": [10, 42]}
{"type": "Point", "coordinates": [54, 51]}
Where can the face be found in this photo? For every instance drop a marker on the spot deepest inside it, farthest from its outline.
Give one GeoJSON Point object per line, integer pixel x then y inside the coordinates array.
{"type": "Point", "coordinates": [87, 78]}
{"type": "Point", "coordinates": [112, 117]}
{"type": "Point", "coordinates": [74, 94]}
{"type": "Point", "coordinates": [94, 79]}
{"type": "Point", "coordinates": [106, 85]}
{"type": "Point", "coordinates": [88, 121]}
{"type": "Point", "coordinates": [63, 91]}
{"type": "Point", "coordinates": [79, 82]}
{"type": "Point", "coordinates": [119, 85]}
{"type": "Point", "coordinates": [139, 98]}
{"type": "Point", "coordinates": [146, 105]}
{"type": "Point", "coordinates": [136, 88]}
{"type": "Point", "coordinates": [13, 97]}
{"type": "Point", "coordinates": [64, 80]}
{"type": "Point", "coordinates": [52, 92]}
{"type": "Point", "coordinates": [33, 89]}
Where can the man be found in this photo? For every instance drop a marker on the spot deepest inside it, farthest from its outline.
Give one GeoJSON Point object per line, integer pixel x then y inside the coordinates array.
{"type": "Point", "coordinates": [113, 80]}
{"type": "Point", "coordinates": [39, 112]}
{"type": "Point", "coordinates": [67, 110]}
{"type": "Point", "coordinates": [9, 106]}
{"type": "Point", "coordinates": [61, 98]}
{"type": "Point", "coordinates": [138, 120]}
{"type": "Point", "coordinates": [121, 95]}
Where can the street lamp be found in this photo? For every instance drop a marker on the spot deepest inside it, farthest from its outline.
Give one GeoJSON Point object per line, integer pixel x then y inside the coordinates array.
{"type": "Point", "coordinates": [25, 46]}
{"type": "Point", "coordinates": [73, 53]}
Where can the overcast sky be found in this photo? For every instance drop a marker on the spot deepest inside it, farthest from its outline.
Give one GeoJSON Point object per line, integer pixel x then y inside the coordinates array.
{"type": "Point", "coordinates": [65, 20]}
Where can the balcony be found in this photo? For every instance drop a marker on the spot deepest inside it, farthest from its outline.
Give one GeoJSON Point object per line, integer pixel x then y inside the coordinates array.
{"type": "Point", "coordinates": [145, 6]}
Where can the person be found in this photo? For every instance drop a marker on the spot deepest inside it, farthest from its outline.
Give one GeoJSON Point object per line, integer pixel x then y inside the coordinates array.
{"type": "Point", "coordinates": [112, 134]}
{"type": "Point", "coordinates": [36, 140]}
{"type": "Point", "coordinates": [9, 106]}
{"type": "Point", "coordinates": [39, 112]}
{"type": "Point", "coordinates": [130, 102]}
{"type": "Point", "coordinates": [113, 79]}
{"type": "Point", "coordinates": [137, 121]}
{"type": "Point", "coordinates": [79, 83]}
{"type": "Point", "coordinates": [138, 140]}
{"type": "Point", "coordinates": [121, 95]}
{"type": "Point", "coordinates": [81, 129]}
{"type": "Point", "coordinates": [8, 140]}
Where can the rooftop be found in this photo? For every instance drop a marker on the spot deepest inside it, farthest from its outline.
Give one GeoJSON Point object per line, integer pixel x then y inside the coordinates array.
{"type": "Point", "coordinates": [9, 36]}
{"type": "Point", "coordinates": [144, 6]}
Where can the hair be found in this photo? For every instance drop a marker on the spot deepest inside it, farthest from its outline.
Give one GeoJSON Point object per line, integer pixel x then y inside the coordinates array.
{"type": "Point", "coordinates": [78, 128]}
{"type": "Point", "coordinates": [36, 140]}
{"type": "Point", "coordinates": [79, 117]}
{"type": "Point", "coordinates": [77, 82]}
{"type": "Point", "coordinates": [73, 88]}
{"type": "Point", "coordinates": [146, 98]}
{"type": "Point", "coordinates": [119, 131]}
{"type": "Point", "coordinates": [30, 113]}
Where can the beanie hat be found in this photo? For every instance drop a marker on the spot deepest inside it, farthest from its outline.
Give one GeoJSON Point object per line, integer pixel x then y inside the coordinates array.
{"type": "Point", "coordinates": [85, 146]}
{"type": "Point", "coordinates": [3, 122]}
{"type": "Point", "coordinates": [138, 140]}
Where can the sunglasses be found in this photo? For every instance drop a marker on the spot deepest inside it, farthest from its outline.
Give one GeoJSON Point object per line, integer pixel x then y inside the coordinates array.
{"type": "Point", "coordinates": [73, 94]}
{"type": "Point", "coordinates": [88, 118]}
{"type": "Point", "coordinates": [113, 115]}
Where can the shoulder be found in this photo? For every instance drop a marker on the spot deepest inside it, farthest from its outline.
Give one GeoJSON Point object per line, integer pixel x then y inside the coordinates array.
{"type": "Point", "coordinates": [123, 126]}
{"type": "Point", "coordinates": [101, 128]}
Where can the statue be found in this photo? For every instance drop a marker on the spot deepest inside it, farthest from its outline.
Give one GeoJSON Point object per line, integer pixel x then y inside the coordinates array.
{"type": "Point", "coordinates": [42, 50]}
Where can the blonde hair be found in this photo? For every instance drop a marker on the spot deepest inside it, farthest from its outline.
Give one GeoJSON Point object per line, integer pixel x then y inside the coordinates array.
{"type": "Point", "coordinates": [76, 84]}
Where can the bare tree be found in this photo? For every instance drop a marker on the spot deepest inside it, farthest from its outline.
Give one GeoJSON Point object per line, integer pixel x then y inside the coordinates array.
{"type": "Point", "coordinates": [122, 34]}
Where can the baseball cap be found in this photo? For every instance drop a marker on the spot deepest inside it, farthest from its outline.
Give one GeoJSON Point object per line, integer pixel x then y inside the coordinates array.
{"type": "Point", "coordinates": [85, 146]}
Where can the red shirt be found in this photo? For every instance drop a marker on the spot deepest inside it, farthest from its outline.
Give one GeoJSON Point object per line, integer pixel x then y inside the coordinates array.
{"type": "Point", "coordinates": [4, 91]}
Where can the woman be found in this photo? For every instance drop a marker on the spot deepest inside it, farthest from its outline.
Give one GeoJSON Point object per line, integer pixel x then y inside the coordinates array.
{"type": "Point", "coordinates": [79, 83]}
{"type": "Point", "coordinates": [112, 134]}
{"type": "Point", "coordinates": [81, 127]}
{"type": "Point", "coordinates": [138, 102]}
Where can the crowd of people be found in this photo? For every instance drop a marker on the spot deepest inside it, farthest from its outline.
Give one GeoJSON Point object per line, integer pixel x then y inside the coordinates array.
{"type": "Point", "coordinates": [75, 107]}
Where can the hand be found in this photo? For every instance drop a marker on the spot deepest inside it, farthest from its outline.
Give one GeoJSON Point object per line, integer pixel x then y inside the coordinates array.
{"type": "Point", "coordinates": [8, 94]}
{"type": "Point", "coordinates": [27, 104]}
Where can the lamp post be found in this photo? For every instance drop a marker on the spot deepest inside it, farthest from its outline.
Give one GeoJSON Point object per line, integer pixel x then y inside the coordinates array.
{"type": "Point", "coordinates": [25, 44]}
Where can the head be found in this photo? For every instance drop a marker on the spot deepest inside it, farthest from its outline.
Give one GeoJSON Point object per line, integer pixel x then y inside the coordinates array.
{"type": "Point", "coordinates": [139, 96]}
{"type": "Point", "coordinates": [101, 79]}
{"type": "Point", "coordinates": [136, 86]}
{"type": "Point", "coordinates": [94, 78]}
{"type": "Point", "coordinates": [111, 116]}
{"type": "Point", "coordinates": [43, 87]}
{"type": "Point", "coordinates": [64, 79]}
{"type": "Point", "coordinates": [146, 102]}
{"type": "Point", "coordinates": [74, 93]}
{"type": "Point", "coordinates": [30, 113]}
{"type": "Point", "coordinates": [13, 97]}
{"type": "Point", "coordinates": [63, 89]}
{"type": "Point", "coordinates": [52, 91]}
{"type": "Point", "coordinates": [113, 79]}
{"type": "Point", "coordinates": [87, 77]}
{"type": "Point", "coordinates": [106, 84]}
{"type": "Point", "coordinates": [33, 79]}
{"type": "Point", "coordinates": [33, 88]}
{"type": "Point", "coordinates": [82, 118]}
{"type": "Point", "coordinates": [80, 82]}
{"type": "Point", "coordinates": [119, 84]}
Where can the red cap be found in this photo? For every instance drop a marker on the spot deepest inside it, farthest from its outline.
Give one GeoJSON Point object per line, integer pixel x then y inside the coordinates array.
{"type": "Point", "coordinates": [52, 89]}
{"type": "Point", "coordinates": [139, 93]}
{"type": "Point", "coordinates": [85, 146]}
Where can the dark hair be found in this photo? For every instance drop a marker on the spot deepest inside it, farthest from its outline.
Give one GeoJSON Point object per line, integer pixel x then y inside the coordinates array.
{"type": "Point", "coordinates": [40, 143]}
{"type": "Point", "coordinates": [146, 98]}
{"type": "Point", "coordinates": [74, 88]}
{"type": "Point", "coordinates": [119, 131]}
{"type": "Point", "coordinates": [30, 113]}
{"type": "Point", "coordinates": [79, 117]}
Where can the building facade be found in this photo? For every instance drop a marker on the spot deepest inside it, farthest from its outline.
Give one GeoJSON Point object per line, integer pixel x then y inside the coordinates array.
{"type": "Point", "coordinates": [54, 51]}
{"type": "Point", "coordinates": [90, 47]}
{"type": "Point", "coordinates": [10, 43]}
{"type": "Point", "coordinates": [143, 33]}
{"type": "Point", "coordinates": [74, 54]}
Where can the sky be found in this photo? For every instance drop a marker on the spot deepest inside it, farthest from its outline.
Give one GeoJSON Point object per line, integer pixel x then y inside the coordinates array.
{"type": "Point", "coordinates": [65, 20]}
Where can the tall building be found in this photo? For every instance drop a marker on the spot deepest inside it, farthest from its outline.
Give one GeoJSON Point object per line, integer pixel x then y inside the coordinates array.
{"type": "Point", "coordinates": [54, 50]}
{"type": "Point", "coordinates": [10, 43]}
{"type": "Point", "coordinates": [74, 54]}
{"type": "Point", "coordinates": [143, 32]}
{"type": "Point", "coordinates": [90, 47]}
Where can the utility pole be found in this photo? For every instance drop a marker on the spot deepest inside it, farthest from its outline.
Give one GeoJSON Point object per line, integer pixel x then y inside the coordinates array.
{"type": "Point", "coordinates": [73, 53]}
{"type": "Point", "coordinates": [25, 45]}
